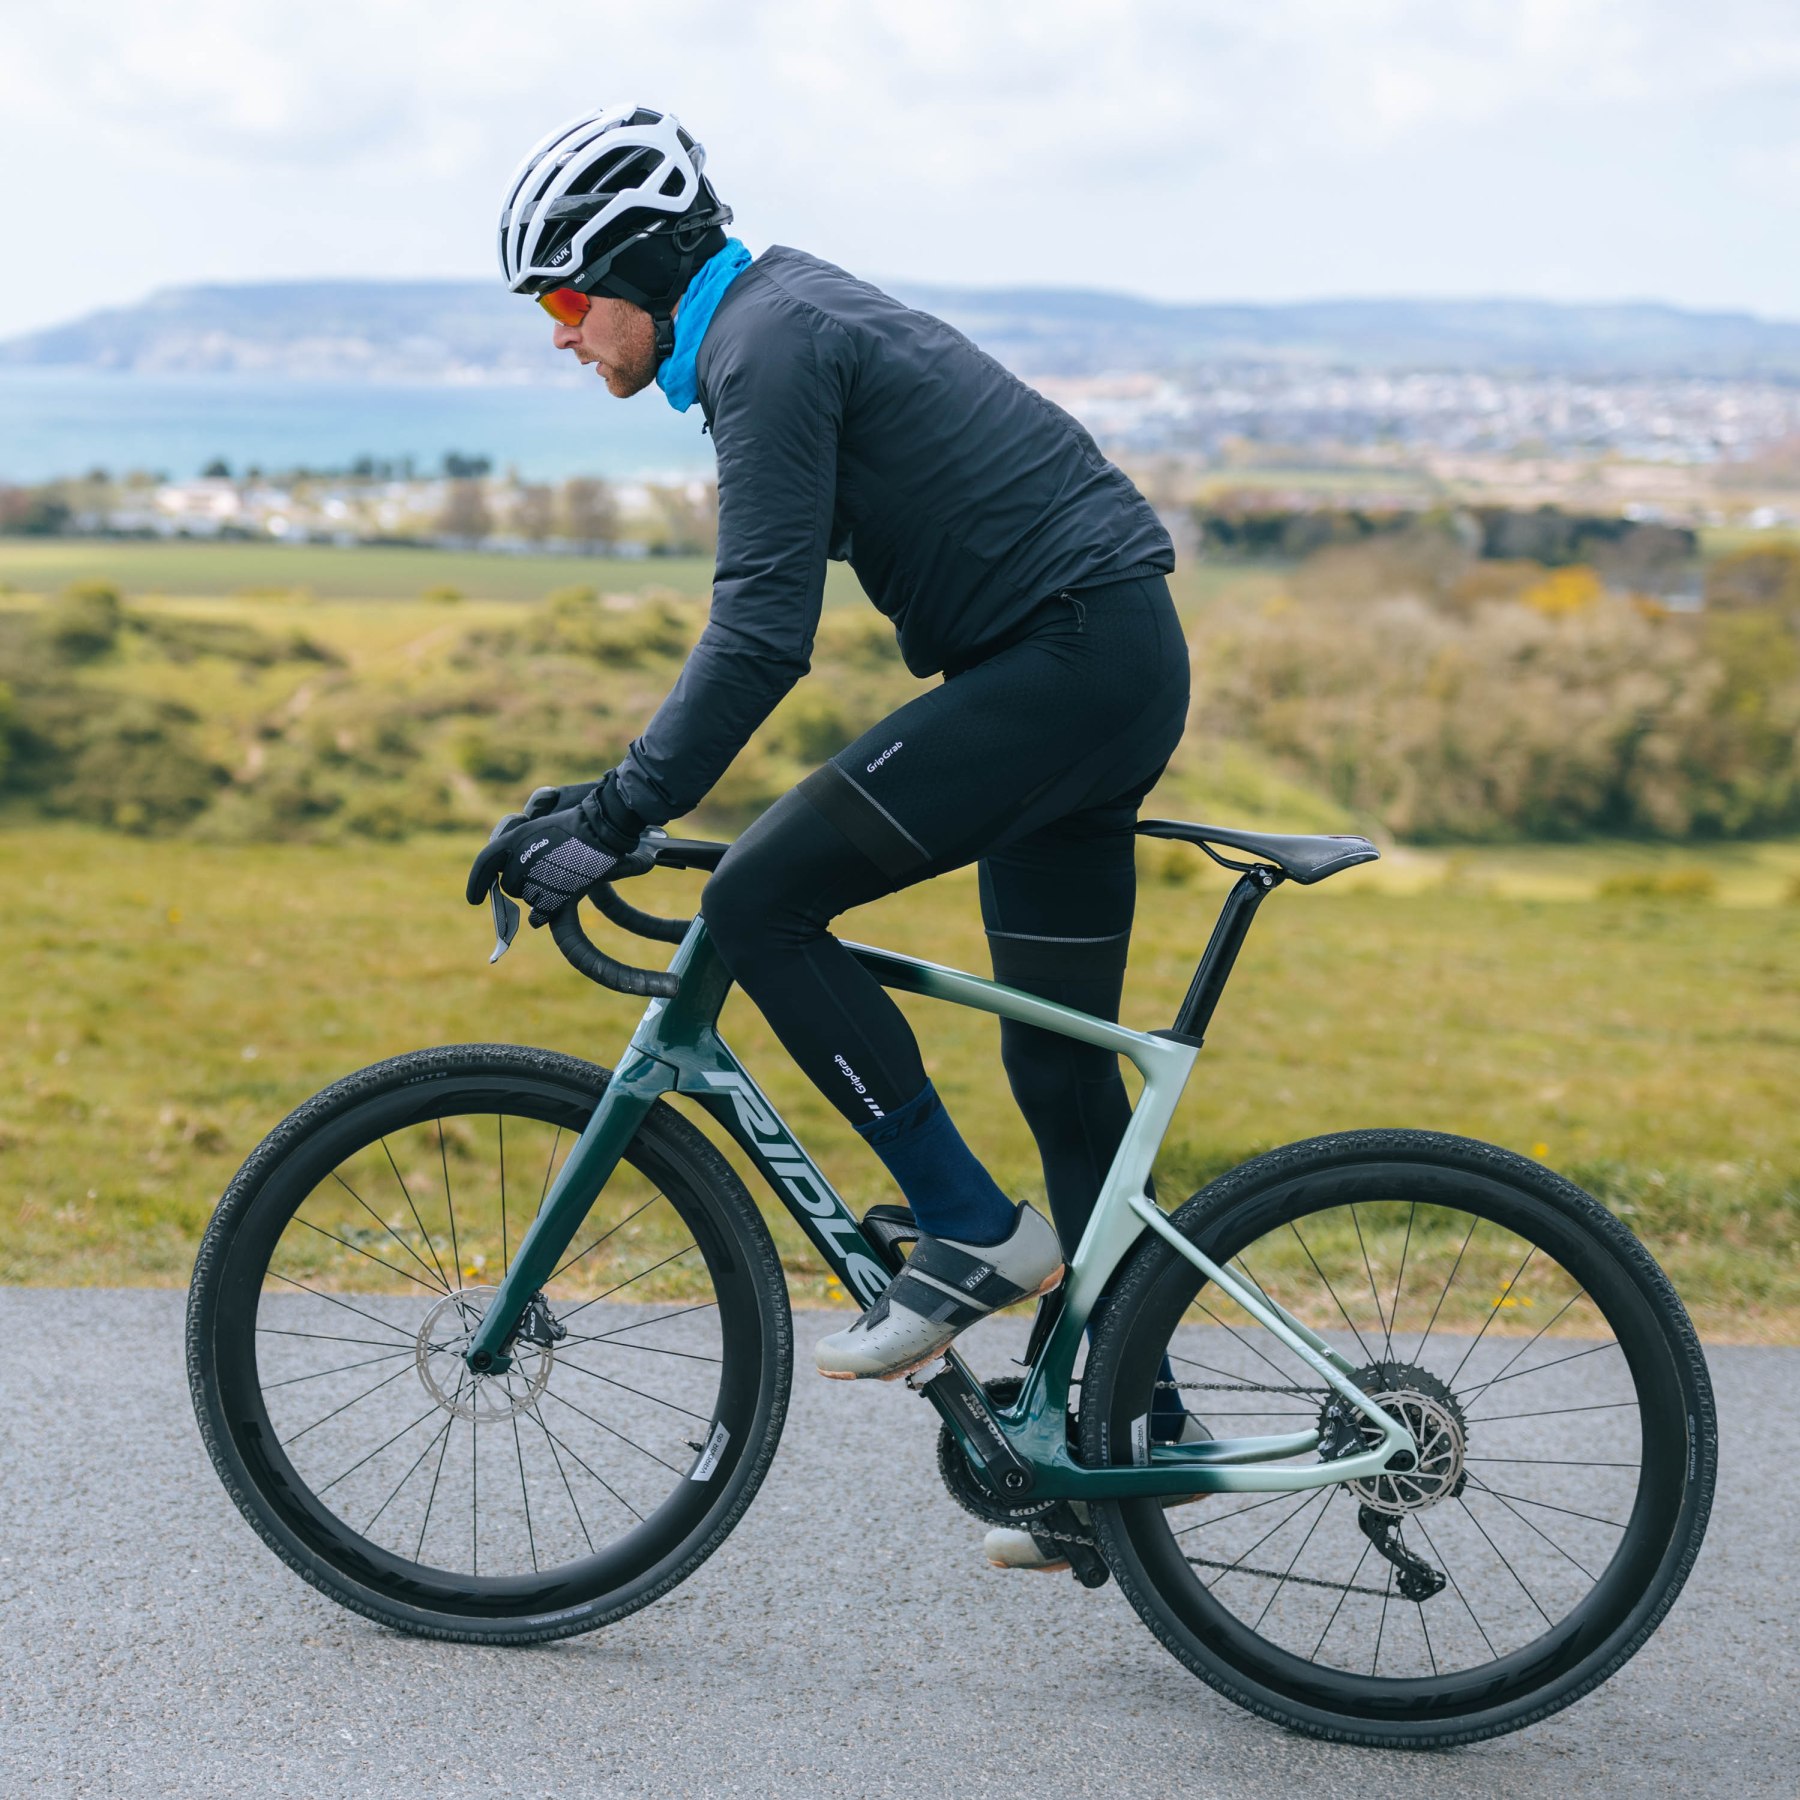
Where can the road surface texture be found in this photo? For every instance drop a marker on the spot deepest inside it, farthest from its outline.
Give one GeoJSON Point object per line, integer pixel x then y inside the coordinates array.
{"type": "Point", "coordinates": [848, 1640]}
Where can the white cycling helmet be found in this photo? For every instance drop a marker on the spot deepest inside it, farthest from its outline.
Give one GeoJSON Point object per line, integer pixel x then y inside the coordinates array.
{"type": "Point", "coordinates": [614, 202]}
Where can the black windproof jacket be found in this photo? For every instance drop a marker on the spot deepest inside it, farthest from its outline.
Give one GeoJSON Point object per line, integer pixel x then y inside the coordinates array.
{"type": "Point", "coordinates": [849, 426]}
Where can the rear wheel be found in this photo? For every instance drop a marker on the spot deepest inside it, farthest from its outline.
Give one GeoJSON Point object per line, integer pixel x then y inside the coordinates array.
{"type": "Point", "coordinates": [344, 1272]}
{"type": "Point", "coordinates": [1545, 1366]}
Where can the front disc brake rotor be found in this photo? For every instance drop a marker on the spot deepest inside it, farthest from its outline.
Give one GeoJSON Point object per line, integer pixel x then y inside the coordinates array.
{"type": "Point", "coordinates": [443, 1341]}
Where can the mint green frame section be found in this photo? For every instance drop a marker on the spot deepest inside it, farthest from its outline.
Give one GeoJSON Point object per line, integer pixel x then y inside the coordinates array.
{"type": "Point", "coordinates": [677, 1049]}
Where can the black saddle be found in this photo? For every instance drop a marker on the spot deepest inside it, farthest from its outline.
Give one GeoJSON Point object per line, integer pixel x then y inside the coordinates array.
{"type": "Point", "coordinates": [1302, 859]}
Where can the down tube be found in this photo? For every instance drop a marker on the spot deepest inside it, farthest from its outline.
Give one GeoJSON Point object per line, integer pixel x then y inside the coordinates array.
{"type": "Point", "coordinates": [719, 1082]}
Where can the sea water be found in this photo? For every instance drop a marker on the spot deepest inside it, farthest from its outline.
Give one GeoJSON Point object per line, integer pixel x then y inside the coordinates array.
{"type": "Point", "coordinates": [56, 422]}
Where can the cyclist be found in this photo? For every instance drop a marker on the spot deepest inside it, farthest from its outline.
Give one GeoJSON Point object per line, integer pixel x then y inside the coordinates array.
{"type": "Point", "coordinates": [1012, 558]}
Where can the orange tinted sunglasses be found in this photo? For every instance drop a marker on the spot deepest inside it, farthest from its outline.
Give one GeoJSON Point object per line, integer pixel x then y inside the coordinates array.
{"type": "Point", "coordinates": [566, 305]}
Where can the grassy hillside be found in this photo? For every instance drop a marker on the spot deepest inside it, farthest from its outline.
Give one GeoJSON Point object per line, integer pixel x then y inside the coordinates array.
{"type": "Point", "coordinates": [167, 1002]}
{"type": "Point", "coordinates": [241, 807]}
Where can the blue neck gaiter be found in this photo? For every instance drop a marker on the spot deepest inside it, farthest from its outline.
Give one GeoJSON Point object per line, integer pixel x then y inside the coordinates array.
{"type": "Point", "coordinates": [678, 377]}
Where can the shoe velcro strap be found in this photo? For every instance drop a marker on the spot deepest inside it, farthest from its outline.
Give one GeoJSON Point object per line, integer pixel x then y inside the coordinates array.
{"type": "Point", "coordinates": [963, 1273]}
{"type": "Point", "coordinates": [932, 1302]}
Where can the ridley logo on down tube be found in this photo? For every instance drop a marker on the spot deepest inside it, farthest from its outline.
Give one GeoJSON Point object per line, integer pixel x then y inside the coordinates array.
{"type": "Point", "coordinates": [867, 1278]}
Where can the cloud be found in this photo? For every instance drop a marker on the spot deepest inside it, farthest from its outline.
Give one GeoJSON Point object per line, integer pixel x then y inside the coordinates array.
{"type": "Point", "coordinates": [1169, 145]}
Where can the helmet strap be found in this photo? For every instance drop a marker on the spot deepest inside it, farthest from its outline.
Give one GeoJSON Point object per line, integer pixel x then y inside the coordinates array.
{"type": "Point", "coordinates": [665, 335]}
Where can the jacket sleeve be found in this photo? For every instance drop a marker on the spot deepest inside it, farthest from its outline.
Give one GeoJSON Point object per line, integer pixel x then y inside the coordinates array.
{"type": "Point", "coordinates": [777, 395]}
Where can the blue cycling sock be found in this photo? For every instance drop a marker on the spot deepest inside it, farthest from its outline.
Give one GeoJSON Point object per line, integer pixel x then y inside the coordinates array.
{"type": "Point", "coordinates": [950, 1193]}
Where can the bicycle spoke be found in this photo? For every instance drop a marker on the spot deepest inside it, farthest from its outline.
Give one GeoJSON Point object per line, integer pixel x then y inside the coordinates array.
{"type": "Point", "coordinates": [619, 1287]}
{"type": "Point", "coordinates": [1425, 1632]}
{"type": "Point", "coordinates": [1252, 1348]}
{"type": "Point", "coordinates": [430, 1445]}
{"type": "Point", "coordinates": [555, 1145]}
{"type": "Point", "coordinates": [371, 1456]}
{"type": "Point", "coordinates": [1387, 1348]}
{"type": "Point", "coordinates": [1539, 1368]}
{"type": "Point", "coordinates": [1418, 1354]}
{"type": "Point", "coordinates": [1226, 1518]}
{"type": "Point", "coordinates": [325, 1337]}
{"type": "Point", "coordinates": [1555, 1462]}
{"type": "Point", "coordinates": [450, 1206]}
{"type": "Point", "coordinates": [413, 1209]}
{"type": "Point", "coordinates": [1550, 1412]}
{"type": "Point", "coordinates": [1449, 1575]}
{"type": "Point", "coordinates": [1253, 1387]}
{"type": "Point", "coordinates": [1381, 1625]}
{"type": "Point", "coordinates": [524, 1492]}
{"type": "Point", "coordinates": [404, 1274]}
{"type": "Point", "coordinates": [398, 1331]}
{"type": "Point", "coordinates": [592, 1419]}
{"type": "Point", "coordinates": [601, 1239]}
{"type": "Point", "coordinates": [580, 1463]}
{"type": "Point", "coordinates": [1514, 1573]}
{"type": "Point", "coordinates": [550, 1438]}
{"type": "Point", "coordinates": [1387, 1336]}
{"type": "Point", "coordinates": [341, 1369]}
{"type": "Point", "coordinates": [1286, 1519]}
{"type": "Point", "coordinates": [1295, 1229]}
{"type": "Point", "coordinates": [437, 1475]}
{"type": "Point", "coordinates": [385, 1226]}
{"type": "Point", "coordinates": [1493, 1314]}
{"type": "Point", "coordinates": [1529, 1526]}
{"type": "Point", "coordinates": [595, 1375]}
{"type": "Point", "coordinates": [1350, 1588]}
{"type": "Point", "coordinates": [474, 1498]}
{"type": "Point", "coordinates": [1330, 1495]}
{"type": "Point", "coordinates": [1548, 1506]}
{"type": "Point", "coordinates": [288, 1443]}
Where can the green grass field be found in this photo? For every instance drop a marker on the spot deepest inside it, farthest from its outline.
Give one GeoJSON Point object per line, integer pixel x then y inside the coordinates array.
{"type": "Point", "coordinates": [166, 1002]}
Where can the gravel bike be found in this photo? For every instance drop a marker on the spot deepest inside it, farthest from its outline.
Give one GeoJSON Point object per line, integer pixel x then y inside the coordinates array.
{"type": "Point", "coordinates": [491, 1344]}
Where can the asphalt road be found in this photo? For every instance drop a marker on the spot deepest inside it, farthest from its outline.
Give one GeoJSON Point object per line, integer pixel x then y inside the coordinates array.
{"type": "Point", "coordinates": [847, 1641]}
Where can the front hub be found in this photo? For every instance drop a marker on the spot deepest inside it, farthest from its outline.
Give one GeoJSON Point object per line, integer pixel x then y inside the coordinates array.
{"type": "Point", "coordinates": [441, 1352]}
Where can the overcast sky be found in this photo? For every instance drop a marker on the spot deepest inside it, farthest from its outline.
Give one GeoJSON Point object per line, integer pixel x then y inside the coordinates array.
{"type": "Point", "coordinates": [1263, 149]}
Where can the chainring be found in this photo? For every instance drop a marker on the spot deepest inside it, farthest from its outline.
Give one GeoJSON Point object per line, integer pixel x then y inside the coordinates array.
{"type": "Point", "coordinates": [965, 1485]}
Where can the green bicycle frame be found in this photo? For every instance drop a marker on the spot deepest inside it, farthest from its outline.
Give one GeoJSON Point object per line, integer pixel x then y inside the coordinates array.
{"type": "Point", "coordinates": [677, 1049]}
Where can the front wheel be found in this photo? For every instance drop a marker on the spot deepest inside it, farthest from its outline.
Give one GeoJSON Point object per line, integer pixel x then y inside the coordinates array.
{"type": "Point", "coordinates": [342, 1276]}
{"type": "Point", "coordinates": [1546, 1368]}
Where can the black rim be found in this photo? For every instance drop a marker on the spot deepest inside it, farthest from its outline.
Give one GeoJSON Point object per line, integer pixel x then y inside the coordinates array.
{"type": "Point", "coordinates": [1528, 1355]}
{"type": "Point", "coordinates": [354, 1274]}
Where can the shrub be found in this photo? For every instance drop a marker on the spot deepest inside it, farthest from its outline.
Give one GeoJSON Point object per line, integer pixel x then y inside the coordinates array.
{"type": "Point", "coordinates": [139, 767]}
{"type": "Point", "coordinates": [484, 757]}
{"type": "Point", "coordinates": [1512, 723]}
{"type": "Point", "coordinates": [83, 623]}
{"type": "Point", "coordinates": [809, 726]}
{"type": "Point", "coordinates": [1764, 575]}
{"type": "Point", "coordinates": [1671, 884]}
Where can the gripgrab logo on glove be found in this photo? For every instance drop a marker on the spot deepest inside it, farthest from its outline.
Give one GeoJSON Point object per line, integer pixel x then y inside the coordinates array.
{"type": "Point", "coordinates": [866, 1278]}
{"type": "Point", "coordinates": [531, 850]}
{"type": "Point", "coordinates": [889, 751]}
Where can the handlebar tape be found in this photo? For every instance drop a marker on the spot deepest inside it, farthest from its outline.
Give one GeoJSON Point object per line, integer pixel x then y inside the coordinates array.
{"type": "Point", "coordinates": [649, 925]}
{"type": "Point", "coordinates": [588, 959]}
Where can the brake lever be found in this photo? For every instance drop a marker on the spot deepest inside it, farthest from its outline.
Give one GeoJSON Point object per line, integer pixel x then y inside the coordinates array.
{"type": "Point", "coordinates": [506, 915]}
{"type": "Point", "coordinates": [506, 922]}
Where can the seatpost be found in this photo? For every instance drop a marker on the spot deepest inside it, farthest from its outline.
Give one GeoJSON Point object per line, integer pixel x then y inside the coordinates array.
{"type": "Point", "coordinates": [1251, 889]}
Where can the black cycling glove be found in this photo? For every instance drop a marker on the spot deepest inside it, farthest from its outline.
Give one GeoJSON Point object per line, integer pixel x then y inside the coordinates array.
{"type": "Point", "coordinates": [552, 859]}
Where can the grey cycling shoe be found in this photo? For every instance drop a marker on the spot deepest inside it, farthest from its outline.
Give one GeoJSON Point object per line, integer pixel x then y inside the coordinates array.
{"type": "Point", "coordinates": [944, 1288]}
{"type": "Point", "coordinates": [1010, 1547]}
{"type": "Point", "coordinates": [1043, 1551]}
